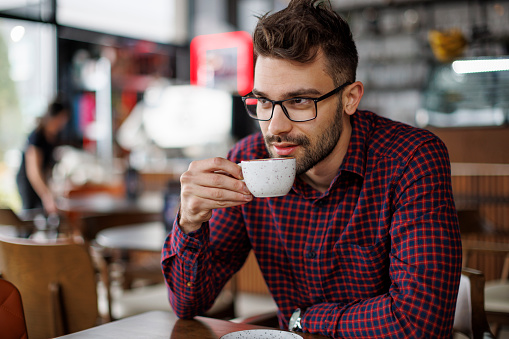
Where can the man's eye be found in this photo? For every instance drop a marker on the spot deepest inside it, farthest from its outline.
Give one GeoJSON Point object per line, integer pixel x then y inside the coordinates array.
{"type": "Point", "coordinates": [264, 102]}
{"type": "Point", "coordinates": [299, 102]}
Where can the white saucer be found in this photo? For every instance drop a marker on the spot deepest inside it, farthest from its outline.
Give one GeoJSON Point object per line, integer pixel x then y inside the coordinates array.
{"type": "Point", "coordinates": [261, 334]}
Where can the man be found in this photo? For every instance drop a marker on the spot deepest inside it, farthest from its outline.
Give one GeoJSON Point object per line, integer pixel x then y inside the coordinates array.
{"type": "Point", "coordinates": [366, 244]}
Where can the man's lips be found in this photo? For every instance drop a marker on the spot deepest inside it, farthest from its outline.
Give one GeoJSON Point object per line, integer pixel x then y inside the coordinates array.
{"type": "Point", "coordinates": [284, 149]}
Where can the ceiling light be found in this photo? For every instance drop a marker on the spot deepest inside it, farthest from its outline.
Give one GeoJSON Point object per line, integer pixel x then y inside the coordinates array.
{"type": "Point", "coordinates": [480, 65]}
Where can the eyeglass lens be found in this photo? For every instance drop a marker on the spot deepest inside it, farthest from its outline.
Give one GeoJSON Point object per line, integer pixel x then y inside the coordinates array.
{"type": "Point", "coordinates": [297, 109]}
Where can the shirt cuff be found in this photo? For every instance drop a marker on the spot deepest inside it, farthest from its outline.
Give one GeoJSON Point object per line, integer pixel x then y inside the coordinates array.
{"type": "Point", "coordinates": [320, 318]}
{"type": "Point", "coordinates": [188, 246]}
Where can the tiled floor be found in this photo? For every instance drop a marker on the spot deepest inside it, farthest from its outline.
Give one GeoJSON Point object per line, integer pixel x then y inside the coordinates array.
{"type": "Point", "coordinates": [251, 304]}
{"type": "Point", "coordinates": [247, 304]}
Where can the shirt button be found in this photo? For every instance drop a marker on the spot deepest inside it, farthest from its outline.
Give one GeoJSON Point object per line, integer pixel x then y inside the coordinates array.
{"type": "Point", "coordinates": [311, 255]}
{"type": "Point", "coordinates": [189, 284]}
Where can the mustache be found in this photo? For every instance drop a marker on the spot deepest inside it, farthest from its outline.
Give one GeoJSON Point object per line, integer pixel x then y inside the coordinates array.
{"type": "Point", "coordinates": [298, 140]}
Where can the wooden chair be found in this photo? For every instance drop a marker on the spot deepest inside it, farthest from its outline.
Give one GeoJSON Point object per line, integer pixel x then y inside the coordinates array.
{"type": "Point", "coordinates": [470, 317]}
{"type": "Point", "coordinates": [8, 217]}
{"type": "Point", "coordinates": [132, 268]}
{"type": "Point", "coordinates": [496, 292]}
{"type": "Point", "coordinates": [91, 225]}
{"type": "Point", "coordinates": [12, 317]}
{"type": "Point", "coordinates": [138, 266]}
{"type": "Point", "coordinates": [56, 281]}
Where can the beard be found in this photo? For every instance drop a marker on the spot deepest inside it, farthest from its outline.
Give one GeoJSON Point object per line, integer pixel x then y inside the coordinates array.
{"type": "Point", "coordinates": [314, 151]}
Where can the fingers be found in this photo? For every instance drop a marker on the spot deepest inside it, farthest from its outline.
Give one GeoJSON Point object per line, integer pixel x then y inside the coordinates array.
{"type": "Point", "coordinates": [217, 190]}
{"type": "Point", "coordinates": [229, 187]}
{"type": "Point", "coordinates": [215, 173]}
{"type": "Point", "coordinates": [217, 164]}
{"type": "Point", "coordinates": [207, 185]}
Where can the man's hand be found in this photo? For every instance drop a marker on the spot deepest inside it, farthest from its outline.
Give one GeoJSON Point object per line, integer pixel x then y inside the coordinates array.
{"type": "Point", "coordinates": [207, 185]}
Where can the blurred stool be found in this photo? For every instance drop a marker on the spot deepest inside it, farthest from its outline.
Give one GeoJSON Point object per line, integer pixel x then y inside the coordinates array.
{"type": "Point", "coordinates": [12, 317]}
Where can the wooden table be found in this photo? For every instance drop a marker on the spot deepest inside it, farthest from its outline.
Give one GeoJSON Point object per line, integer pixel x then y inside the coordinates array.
{"type": "Point", "coordinates": [106, 203]}
{"type": "Point", "coordinates": [148, 236]}
{"type": "Point", "coordinates": [123, 241]}
{"type": "Point", "coordinates": [159, 325]}
{"type": "Point", "coordinates": [76, 208]}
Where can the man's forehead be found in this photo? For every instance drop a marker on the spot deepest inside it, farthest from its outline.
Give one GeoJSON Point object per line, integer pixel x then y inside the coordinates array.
{"type": "Point", "coordinates": [276, 76]}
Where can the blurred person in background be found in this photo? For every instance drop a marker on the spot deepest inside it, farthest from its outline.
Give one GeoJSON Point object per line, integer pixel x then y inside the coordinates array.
{"type": "Point", "coordinates": [367, 243]}
{"type": "Point", "coordinates": [37, 159]}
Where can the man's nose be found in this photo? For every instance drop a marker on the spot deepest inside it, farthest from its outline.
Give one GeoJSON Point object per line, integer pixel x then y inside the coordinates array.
{"type": "Point", "coordinates": [279, 124]}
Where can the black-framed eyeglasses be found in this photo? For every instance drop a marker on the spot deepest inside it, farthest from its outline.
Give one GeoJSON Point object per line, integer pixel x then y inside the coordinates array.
{"type": "Point", "coordinates": [297, 109]}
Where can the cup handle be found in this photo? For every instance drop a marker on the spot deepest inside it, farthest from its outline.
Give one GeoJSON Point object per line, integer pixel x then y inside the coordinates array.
{"type": "Point", "coordinates": [240, 164]}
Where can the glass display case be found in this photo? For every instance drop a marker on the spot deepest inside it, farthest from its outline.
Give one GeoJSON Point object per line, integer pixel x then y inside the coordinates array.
{"type": "Point", "coordinates": [466, 97]}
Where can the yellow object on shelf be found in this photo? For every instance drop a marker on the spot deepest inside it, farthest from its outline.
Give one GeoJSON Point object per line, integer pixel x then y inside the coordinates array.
{"type": "Point", "coordinates": [447, 45]}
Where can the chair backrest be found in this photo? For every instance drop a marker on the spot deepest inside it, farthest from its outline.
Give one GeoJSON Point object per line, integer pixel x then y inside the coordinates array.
{"type": "Point", "coordinates": [57, 283]}
{"type": "Point", "coordinates": [470, 317]}
{"type": "Point", "coordinates": [12, 317]}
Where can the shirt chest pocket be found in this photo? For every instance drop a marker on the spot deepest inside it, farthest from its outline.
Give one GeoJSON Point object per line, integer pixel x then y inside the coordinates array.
{"type": "Point", "coordinates": [356, 272]}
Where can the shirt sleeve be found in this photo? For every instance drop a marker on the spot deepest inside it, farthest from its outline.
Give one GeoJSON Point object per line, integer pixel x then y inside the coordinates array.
{"type": "Point", "coordinates": [37, 139]}
{"type": "Point", "coordinates": [196, 266]}
{"type": "Point", "coordinates": [425, 261]}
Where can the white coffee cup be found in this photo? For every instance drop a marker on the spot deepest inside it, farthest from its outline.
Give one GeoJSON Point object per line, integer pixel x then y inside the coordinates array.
{"type": "Point", "coordinates": [272, 177]}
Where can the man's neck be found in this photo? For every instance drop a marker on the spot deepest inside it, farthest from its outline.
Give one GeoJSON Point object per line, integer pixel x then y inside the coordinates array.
{"type": "Point", "coordinates": [320, 176]}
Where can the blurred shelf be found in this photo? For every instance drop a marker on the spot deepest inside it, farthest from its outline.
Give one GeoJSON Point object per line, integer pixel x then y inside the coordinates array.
{"type": "Point", "coordinates": [360, 5]}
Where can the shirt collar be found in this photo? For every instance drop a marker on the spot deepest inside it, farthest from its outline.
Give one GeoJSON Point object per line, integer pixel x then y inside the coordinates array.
{"type": "Point", "coordinates": [355, 157]}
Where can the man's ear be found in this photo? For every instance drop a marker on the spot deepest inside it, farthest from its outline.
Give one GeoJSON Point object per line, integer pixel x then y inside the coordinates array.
{"type": "Point", "coordinates": [352, 95]}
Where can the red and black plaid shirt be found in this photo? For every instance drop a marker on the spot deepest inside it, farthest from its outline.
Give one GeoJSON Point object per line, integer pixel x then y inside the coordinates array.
{"type": "Point", "coordinates": [378, 255]}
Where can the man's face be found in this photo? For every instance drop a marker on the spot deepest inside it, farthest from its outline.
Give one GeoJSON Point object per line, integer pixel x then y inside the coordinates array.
{"type": "Point", "coordinates": [309, 142]}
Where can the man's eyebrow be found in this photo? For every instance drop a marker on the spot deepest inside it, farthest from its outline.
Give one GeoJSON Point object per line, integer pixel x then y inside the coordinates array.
{"type": "Point", "coordinates": [296, 93]}
{"type": "Point", "coordinates": [258, 93]}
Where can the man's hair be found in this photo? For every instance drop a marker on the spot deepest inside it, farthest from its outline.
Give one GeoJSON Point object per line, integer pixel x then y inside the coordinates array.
{"type": "Point", "coordinates": [300, 31]}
